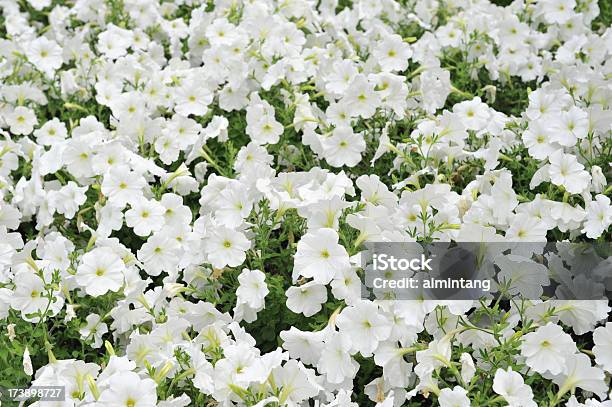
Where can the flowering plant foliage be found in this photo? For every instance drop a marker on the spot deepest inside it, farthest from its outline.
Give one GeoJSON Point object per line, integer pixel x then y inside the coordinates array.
{"type": "Point", "coordinates": [186, 187]}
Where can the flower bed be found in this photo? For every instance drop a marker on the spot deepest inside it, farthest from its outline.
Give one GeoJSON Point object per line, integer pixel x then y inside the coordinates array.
{"type": "Point", "coordinates": [187, 187]}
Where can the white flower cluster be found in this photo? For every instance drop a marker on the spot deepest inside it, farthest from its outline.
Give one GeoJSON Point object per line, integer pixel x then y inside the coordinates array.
{"type": "Point", "coordinates": [187, 185]}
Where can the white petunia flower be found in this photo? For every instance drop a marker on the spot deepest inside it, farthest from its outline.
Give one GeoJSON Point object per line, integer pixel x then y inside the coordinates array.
{"type": "Point", "coordinates": [52, 132]}
{"type": "Point", "coordinates": [307, 298]}
{"type": "Point", "coordinates": [336, 362]}
{"type": "Point", "coordinates": [364, 325]}
{"type": "Point", "coordinates": [94, 330]}
{"type": "Point", "coordinates": [68, 199]}
{"type": "Point", "coordinates": [578, 373]}
{"type": "Point", "coordinates": [129, 389]}
{"type": "Point", "coordinates": [473, 113]}
{"type": "Point", "coordinates": [21, 120]}
{"type": "Point", "coordinates": [392, 53]}
{"type": "Point", "coordinates": [319, 256]}
{"type": "Point", "coordinates": [457, 397]}
{"type": "Point", "coordinates": [252, 289]}
{"type": "Point", "coordinates": [602, 338]}
{"type": "Point", "coordinates": [46, 55]}
{"type": "Point", "coordinates": [565, 170]}
{"type": "Point", "coordinates": [226, 247]}
{"type": "Point", "coordinates": [159, 253]}
{"type": "Point", "coordinates": [145, 216]}
{"type": "Point", "coordinates": [361, 98]}
{"type": "Point", "coordinates": [599, 217]}
{"type": "Point", "coordinates": [548, 349]}
{"type": "Point", "coordinates": [30, 296]}
{"type": "Point", "coordinates": [100, 271]}
{"type": "Point", "coordinates": [511, 386]}
{"type": "Point", "coordinates": [343, 147]}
